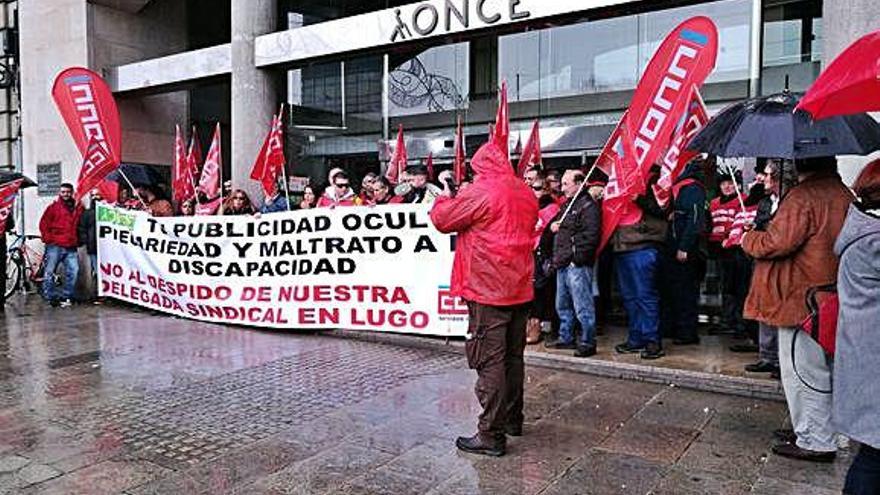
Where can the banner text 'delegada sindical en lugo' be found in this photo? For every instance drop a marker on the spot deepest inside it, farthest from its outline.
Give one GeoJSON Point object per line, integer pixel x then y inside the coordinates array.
{"type": "Point", "coordinates": [384, 268]}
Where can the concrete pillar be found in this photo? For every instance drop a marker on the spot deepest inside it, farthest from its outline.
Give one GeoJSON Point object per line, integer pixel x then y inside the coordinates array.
{"type": "Point", "coordinates": [843, 22]}
{"type": "Point", "coordinates": [254, 95]}
{"type": "Point", "coordinates": [53, 37]}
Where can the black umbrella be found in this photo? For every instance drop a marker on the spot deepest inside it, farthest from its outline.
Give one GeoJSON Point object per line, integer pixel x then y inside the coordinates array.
{"type": "Point", "coordinates": [6, 177]}
{"type": "Point", "coordinates": [769, 127]}
{"type": "Point", "coordinates": [137, 174]}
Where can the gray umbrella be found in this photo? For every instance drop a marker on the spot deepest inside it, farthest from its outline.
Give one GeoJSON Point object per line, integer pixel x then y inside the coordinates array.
{"type": "Point", "coordinates": [6, 177]}
{"type": "Point", "coordinates": [769, 127]}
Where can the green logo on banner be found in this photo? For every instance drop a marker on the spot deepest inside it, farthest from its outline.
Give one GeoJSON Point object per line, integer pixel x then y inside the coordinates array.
{"type": "Point", "coordinates": [113, 216]}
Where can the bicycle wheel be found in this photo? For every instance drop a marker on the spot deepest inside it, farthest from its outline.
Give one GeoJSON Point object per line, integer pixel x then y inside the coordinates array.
{"type": "Point", "coordinates": [13, 273]}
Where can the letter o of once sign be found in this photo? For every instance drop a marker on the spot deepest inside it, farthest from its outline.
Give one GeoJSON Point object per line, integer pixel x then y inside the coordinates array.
{"type": "Point", "coordinates": [433, 16]}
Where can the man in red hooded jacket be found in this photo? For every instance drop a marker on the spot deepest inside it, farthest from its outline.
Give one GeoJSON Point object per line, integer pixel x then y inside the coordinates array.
{"type": "Point", "coordinates": [494, 219]}
{"type": "Point", "coordinates": [58, 230]}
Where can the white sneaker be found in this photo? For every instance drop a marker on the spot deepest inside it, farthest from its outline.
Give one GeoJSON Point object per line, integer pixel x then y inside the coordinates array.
{"type": "Point", "coordinates": [66, 303]}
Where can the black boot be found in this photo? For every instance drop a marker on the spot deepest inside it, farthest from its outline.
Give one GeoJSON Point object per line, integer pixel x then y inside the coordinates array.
{"type": "Point", "coordinates": [477, 445]}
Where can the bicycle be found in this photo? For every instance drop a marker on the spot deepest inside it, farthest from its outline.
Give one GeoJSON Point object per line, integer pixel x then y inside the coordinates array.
{"type": "Point", "coordinates": [24, 264]}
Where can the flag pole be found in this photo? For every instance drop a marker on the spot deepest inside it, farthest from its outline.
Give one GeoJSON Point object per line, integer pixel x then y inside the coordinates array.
{"type": "Point", "coordinates": [133, 189]}
{"type": "Point", "coordinates": [220, 171]}
{"type": "Point", "coordinates": [739, 196]}
{"type": "Point", "coordinates": [192, 178]}
{"type": "Point", "coordinates": [284, 166]}
{"type": "Point", "coordinates": [578, 193]}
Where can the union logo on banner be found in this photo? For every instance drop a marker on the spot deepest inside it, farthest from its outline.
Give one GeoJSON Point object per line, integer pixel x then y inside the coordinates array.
{"type": "Point", "coordinates": [447, 304]}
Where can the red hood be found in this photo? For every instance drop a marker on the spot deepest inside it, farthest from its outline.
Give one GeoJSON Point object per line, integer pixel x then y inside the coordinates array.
{"type": "Point", "coordinates": [490, 162]}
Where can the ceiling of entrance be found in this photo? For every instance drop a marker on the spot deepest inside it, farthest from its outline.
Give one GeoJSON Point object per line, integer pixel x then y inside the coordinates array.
{"type": "Point", "coordinates": [124, 5]}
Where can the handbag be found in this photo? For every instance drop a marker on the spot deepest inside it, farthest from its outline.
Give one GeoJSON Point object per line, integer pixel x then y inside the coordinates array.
{"type": "Point", "coordinates": [823, 304]}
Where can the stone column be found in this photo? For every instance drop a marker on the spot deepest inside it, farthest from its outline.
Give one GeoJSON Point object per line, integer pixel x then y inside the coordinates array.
{"type": "Point", "coordinates": [254, 95]}
{"type": "Point", "coordinates": [844, 21]}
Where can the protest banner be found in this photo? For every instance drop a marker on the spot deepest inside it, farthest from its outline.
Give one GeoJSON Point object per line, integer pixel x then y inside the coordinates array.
{"type": "Point", "coordinates": [383, 269]}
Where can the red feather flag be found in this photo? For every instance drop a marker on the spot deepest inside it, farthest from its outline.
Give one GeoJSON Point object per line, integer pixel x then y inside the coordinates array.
{"type": "Point", "coordinates": [88, 108]}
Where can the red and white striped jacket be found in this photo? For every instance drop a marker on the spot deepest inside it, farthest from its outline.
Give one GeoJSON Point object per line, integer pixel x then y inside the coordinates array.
{"type": "Point", "coordinates": [722, 215]}
{"type": "Point", "coordinates": [742, 218]}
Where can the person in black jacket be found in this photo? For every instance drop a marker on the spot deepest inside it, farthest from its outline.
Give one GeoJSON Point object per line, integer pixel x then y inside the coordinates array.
{"type": "Point", "coordinates": [574, 254]}
{"type": "Point", "coordinates": [685, 257]}
{"type": "Point", "coordinates": [86, 231]}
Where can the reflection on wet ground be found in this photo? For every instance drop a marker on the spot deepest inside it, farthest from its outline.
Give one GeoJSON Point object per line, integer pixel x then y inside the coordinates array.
{"type": "Point", "coordinates": [106, 399]}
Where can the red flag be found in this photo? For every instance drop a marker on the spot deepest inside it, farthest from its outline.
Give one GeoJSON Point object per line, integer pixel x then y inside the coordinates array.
{"type": "Point", "coordinates": [87, 106]}
{"type": "Point", "coordinates": [8, 193]}
{"type": "Point", "coordinates": [194, 157]}
{"type": "Point", "coordinates": [181, 183]}
{"type": "Point", "coordinates": [605, 160]}
{"type": "Point", "coordinates": [683, 61]}
{"type": "Point", "coordinates": [209, 183]}
{"type": "Point", "coordinates": [208, 208]}
{"type": "Point", "coordinates": [677, 156]}
{"type": "Point", "coordinates": [430, 164]}
{"type": "Point", "coordinates": [624, 182]}
{"type": "Point", "coordinates": [458, 166]}
{"type": "Point", "coordinates": [501, 131]}
{"type": "Point", "coordinates": [531, 154]}
{"type": "Point", "coordinates": [271, 158]}
{"type": "Point", "coordinates": [398, 160]}
{"type": "Point", "coordinates": [97, 163]}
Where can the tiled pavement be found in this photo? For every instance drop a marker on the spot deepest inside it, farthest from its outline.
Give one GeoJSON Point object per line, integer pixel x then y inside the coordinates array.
{"type": "Point", "coordinates": [111, 400]}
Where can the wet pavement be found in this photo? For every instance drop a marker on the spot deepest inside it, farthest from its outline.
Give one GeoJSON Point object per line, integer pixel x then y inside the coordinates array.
{"type": "Point", "coordinates": [106, 399]}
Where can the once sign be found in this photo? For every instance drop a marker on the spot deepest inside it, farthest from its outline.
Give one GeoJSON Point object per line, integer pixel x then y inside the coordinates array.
{"type": "Point", "coordinates": [426, 17]}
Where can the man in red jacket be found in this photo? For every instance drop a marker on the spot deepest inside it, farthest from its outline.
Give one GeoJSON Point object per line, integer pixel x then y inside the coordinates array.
{"type": "Point", "coordinates": [58, 230]}
{"type": "Point", "coordinates": [494, 219]}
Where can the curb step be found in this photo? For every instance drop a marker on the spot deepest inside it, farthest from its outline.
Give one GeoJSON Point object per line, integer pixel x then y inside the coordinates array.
{"type": "Point", "coordinates": [694, 380]}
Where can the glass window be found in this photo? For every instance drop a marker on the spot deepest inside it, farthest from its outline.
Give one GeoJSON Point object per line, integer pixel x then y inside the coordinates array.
{"type": "Point", "coordinates": [792, 49]}
{"type": "Point", "coordinates": [731, 17]}
{"type": "Point", "coordinates": [609, 55]}
{"type": "Point", "coordinates": [435, 80]}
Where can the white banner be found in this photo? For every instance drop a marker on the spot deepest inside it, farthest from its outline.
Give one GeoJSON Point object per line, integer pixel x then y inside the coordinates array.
{"type": "Point", "coordinates": [385, 268]}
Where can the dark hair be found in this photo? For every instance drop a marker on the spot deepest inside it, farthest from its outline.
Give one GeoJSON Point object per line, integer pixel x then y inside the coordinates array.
{"type": "Point", "coordinates": [341, 175]}
{"type": "Point", "coordinates": [538, 170]}
{"type": "Point", "coordinates": [867, 185]}
{"type": "Point", "coordinates": [66, 185]}
{"type": "Point", "coordinates": [818, 164]}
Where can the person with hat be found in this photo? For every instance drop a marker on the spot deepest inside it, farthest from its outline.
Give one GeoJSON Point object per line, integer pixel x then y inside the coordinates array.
{"type": "Point", "coordinates": [722, 211]}
{"type": "Point", "coordinates": [420, 190]}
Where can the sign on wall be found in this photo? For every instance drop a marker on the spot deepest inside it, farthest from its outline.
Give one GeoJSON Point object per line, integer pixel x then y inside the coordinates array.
{"type": "Point", "coordinates": [48, 179]}
{"type": "Point", "coordinates": [383, 269]}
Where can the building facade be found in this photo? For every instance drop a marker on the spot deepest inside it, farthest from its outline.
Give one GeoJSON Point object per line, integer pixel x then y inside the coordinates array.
{"type": "Point", "coordinates": [353, 71]}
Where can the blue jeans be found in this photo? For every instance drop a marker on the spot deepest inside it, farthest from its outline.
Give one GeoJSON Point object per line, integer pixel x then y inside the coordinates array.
{"type": "Point", "coordinates": [57, 255]}
{"type": "Point", "coordinates": [574, 299]}
{"type": "Point", "coordinates": [863, 477]}
{"type": "Point", "coordinates": [637, 279]}
{"type": "Point", "coordinates": [93, 261]}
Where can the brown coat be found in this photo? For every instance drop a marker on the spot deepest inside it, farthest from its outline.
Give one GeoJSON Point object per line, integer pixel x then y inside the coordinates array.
{"type": "Point", "coordinates": [797, 250]}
